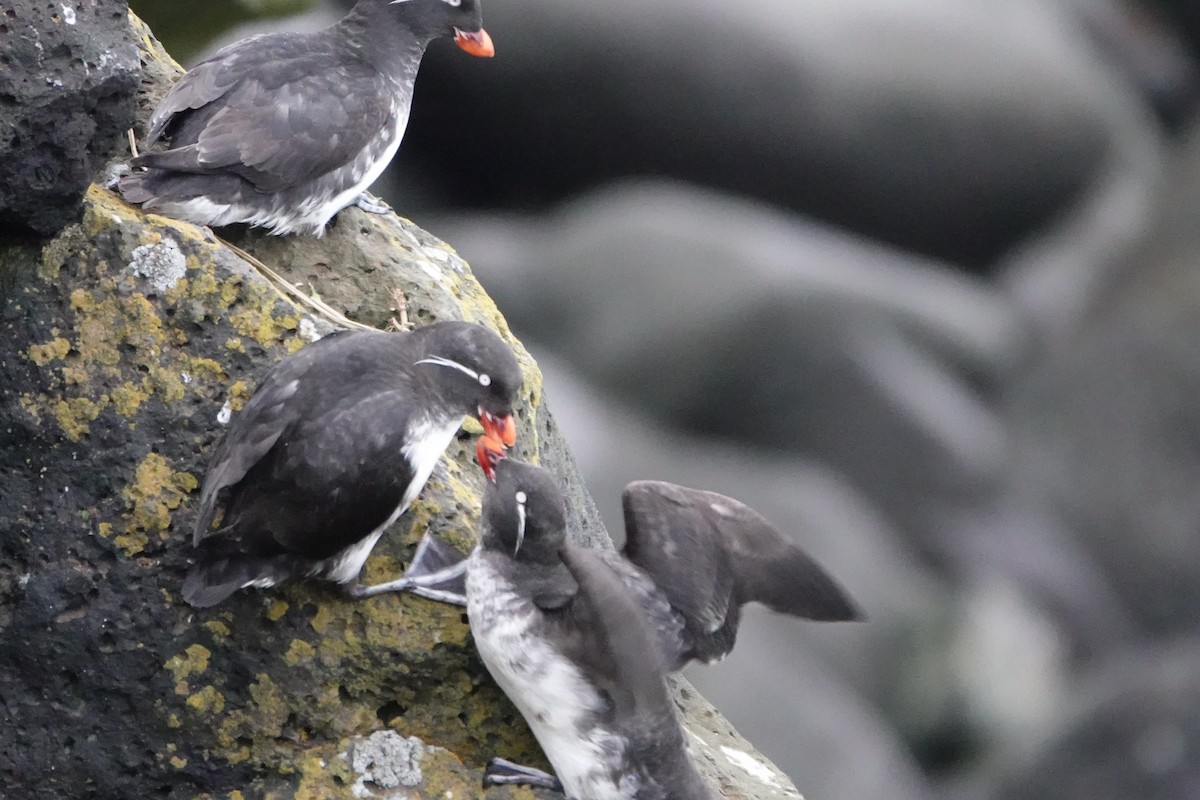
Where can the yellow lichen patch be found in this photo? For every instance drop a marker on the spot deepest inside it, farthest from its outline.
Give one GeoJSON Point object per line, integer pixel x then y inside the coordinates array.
{"type": "Point", "coordinates": [29, 405]}
{"type": "Point", "coordinates": [239, 393]}
{"type": "Point", "coordinates": [323, 775]}
{"type": "Point", "coordinates": [231, 288]}
{"type": "Point", "coordinates": [167, 382]}
{"type": "Point", "coordinates": [74, 415]}
{"type": "Point", "coordinates": [192, 661]}
{"type": "Point", "coordinates": [239, 755]}
{"type": "Point", "coordinates": [127, 398]}
{"type": "Point", "coordinates": [104, 529]}
{"type": "Point", "coordinates": [218, 629]}
{"type": "Point", "coordinates": [261, 324]}
{"type": "Point", "coordinates": [277, 609]}
{"type": "Point", "coordinates": [235, 344]}
{"type": "Point", "coordinates": [322, 618]}
{"type": "Point", "coordinates": [198, 367]}
{"type": "Point", "coordinates": [156, 491]}
{"type": "Point", "coordinates": [207, 700]}
{"type": "Point", "coordinates": [43, 354]}
{"type": "Point", "coordinates": [300, 652]}
{"type": "Point", "coordinates": [270, 711]}
{"type": "Point", "coordinates": [178, 762]}
{"type": "Point", "coordinates": [132, 544]}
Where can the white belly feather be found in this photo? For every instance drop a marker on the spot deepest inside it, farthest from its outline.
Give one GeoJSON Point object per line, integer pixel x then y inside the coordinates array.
{"type": "Point", "coordinates": [550, 691]}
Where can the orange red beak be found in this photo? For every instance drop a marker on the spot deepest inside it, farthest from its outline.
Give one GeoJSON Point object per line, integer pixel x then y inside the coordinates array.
{"type": "Point", "coordinates": [502, 429]}
{"type": "Point", "coordinates": [489, 452]}
{"type": "Point", "coordinates": [477, 43]}
{"type": "Point", "coordinates": [499, 433]}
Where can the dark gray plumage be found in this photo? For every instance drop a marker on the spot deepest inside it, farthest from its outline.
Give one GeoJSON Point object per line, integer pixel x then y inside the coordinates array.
{"type": "Point", "coordinates": [581, 639]}
{"type": "Point", "coordinates": [333, 446]}
{"type": "Point", "coordinates": [284, 130]}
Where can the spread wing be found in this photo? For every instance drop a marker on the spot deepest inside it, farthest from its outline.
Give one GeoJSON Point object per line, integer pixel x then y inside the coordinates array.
{"type": "Point", "coordinates": [710, 554]}
{"type": "Point", "coordinates": [280, 120]}
{"type": "Point", "coordinates": [669, 538]}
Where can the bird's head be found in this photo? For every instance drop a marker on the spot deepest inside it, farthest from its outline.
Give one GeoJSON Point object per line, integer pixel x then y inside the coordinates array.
{"type": "Point", "coordinates": [474, 371]}
{"type": "Point", "coordinates": [461, 20]}
{"type": "Point", "coordinates": [524, 512]}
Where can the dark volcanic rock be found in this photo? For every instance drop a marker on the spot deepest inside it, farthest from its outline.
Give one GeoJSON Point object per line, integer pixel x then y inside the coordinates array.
{"type": "Point", "coordinates": [68, 77]}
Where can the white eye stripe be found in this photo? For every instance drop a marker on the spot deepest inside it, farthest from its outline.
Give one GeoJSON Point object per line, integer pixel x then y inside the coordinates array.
{"type": "Point", "coordinates": [455, 3]}
{"type": "Point", "coordinates": [447, 362]}
{"type": "Point", "coordinates": [520, 498]}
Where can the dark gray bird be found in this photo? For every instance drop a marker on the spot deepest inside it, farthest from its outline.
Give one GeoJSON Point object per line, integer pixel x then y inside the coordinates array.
{"type": "Point", "coordinates": [333, 446]}
{"type": "Point", "coordinates": [581, 639]}
{"type": "Point", "coordinates": [284, 130]}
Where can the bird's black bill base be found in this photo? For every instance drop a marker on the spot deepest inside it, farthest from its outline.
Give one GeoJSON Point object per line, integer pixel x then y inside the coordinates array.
{"type": "Point", "coordinates": [372, 204]}
{"type": "Point", "coordinates": [502, 772]}
{"type": "Point", "coordinates": [438, 572]}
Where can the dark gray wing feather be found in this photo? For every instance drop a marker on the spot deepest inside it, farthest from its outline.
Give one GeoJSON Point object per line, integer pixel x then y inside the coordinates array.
{"type": "Point", "coordinates": [668, 536]}
{"type": "Point", "coordinates": [203, 84]}
{"type": "Point", "coordinates": [281, 122]}
{"type": "Point", "coordinates": [710, 554]}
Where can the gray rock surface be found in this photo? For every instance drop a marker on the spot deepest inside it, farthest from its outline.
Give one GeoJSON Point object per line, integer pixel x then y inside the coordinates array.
{"type": "Point", "coordinates": [68, 77]}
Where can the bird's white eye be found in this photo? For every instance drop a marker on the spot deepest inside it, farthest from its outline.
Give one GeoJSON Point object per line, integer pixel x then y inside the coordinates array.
{"type": "Point", "coordinates": [485, 380]}
{"type": "Point", "coordinates": [521, 498]}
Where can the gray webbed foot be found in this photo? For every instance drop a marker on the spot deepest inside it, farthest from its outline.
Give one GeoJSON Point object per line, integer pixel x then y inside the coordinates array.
{"type": "Point", "coordinates": [437, 572]}
{"type": "Point", "coordinates": [371, 204]}
{"type": "Point", "coordinates": [502, 772]}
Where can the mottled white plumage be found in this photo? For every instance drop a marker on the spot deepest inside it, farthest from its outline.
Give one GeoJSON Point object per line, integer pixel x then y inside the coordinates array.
{"type": "Point", "coordinates": [563, 708]}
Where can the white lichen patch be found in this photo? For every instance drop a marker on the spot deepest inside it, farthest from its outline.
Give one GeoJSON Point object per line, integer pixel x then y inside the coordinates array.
{"type": "Point", "coordinates": [162, 264]}
{"type": "Point", "coordinates": [308, 330]}
{"type": "Point", "coordinates": [68, 14]}
{"type": "Point", "coordinates": [225, 414]}
{"type": "Point", "coordinates": [385, 760]}
{"type": "Point", "coordinates": [753, 767]}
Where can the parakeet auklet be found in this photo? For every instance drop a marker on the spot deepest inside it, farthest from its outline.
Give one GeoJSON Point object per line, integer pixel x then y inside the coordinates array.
{"type": "Point", "coordinates": [333, 446]}
{"type": "Point", "coordinates": [284, 130]}
{"type": "Point", "coordinates": [581, 639]}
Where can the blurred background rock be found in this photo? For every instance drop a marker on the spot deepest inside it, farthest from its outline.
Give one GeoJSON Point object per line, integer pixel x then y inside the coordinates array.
{"type": "Point", "coordinates": [915, 278]}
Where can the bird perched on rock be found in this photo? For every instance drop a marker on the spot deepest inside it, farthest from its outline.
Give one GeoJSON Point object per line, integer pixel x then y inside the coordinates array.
{"type": "Point", "coordinates": [581, 639]}
{"type": "Point", "coordinates": [283, 130]}
{"type": "Point", "coordinates": [333, 446]}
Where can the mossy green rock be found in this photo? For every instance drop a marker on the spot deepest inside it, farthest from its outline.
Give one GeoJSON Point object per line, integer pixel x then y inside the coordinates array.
{"type": "Point", "coordinates": [124, 342]}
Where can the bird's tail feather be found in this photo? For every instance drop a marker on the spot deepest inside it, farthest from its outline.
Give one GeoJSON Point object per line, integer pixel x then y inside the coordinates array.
{"type": "Point", "coordinates": [216, 575]}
